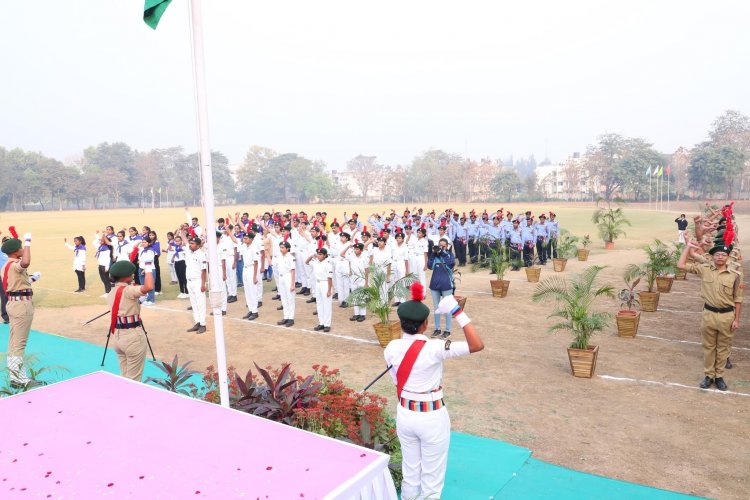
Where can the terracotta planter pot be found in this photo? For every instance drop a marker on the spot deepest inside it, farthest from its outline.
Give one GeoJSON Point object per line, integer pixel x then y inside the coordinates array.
{"type": "Point", "coordinates": [680, 274]}
{"type": "Point", "coordinates": [559, 264]}
{"type": "Point", "coordinates": [649, 301]}
{"type": "Point", "coordinates": [664, 283]}
{"type": "Point", "coordinates": [387, 332]}
{"type": "Point", "coordinates": [532, 274]}
{"type": "Point", "coordinates": [499, 288]}
{"type": "Point", "coordinates": [627, 323]}
{"type": "Point", "coordinates": [583, 361]}
{"type": "Point", "coordinates": [609, 245]}
{"type": "Point", "coordinates": [583, 254]}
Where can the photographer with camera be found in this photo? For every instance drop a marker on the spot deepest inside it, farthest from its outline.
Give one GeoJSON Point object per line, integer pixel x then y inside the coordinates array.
{"type": "Point", "coordinates": [441, 261]}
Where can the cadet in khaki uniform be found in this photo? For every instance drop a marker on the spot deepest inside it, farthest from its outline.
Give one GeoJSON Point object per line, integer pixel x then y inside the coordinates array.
{"type": "Point", "coordinates": [722, 292]}
{"type": "Point", "coordinates": [20, 308]}
{"type": "Point", "coordinates": [129, 339]}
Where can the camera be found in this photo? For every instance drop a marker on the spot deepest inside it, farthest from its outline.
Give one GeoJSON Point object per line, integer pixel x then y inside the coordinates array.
{"type": "Point", "coordinates": [437, 249]}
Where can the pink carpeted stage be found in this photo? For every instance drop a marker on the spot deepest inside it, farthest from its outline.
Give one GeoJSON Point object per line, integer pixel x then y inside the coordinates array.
{"type": "Point", "coordinates": [100, 435]}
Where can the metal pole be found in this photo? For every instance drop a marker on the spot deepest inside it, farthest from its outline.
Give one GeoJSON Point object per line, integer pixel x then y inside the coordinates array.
{"type": "Point", "coordinates": [207, 185]}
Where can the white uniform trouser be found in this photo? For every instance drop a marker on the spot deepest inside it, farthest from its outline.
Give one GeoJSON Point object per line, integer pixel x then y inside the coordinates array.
{"type": "Point", "coordinates": [334, 263]}
{"type": "Point", "coordinates": [251, 291]}
{"type": "Point", "coordinates": [259, 285]}
{"type": "Point", "coordinates": [276, 281]}
{"type": "Point", "coordinates": [399, 271]}
{"type": "Point", "coordinates": [224, 295]}
{"type": "Point", "coordinates": [324, 303]}
{"type": "Point", "coordinates": [357, 283]}
{"type": "Point", "coordinates": [681, 236]}
{"type": "Point", "coordinates": [231, 282]}
{"type": "Point", "coordinates": [172, 273]}
{"type": "Point", "coordinates": [299, 264]}
{"type": "Point", "coordinates": [309, 272]}
{"type": "Point", "coordinates": [416, 266]}
{"type": "Point", "coordinates": [287, 295]}
{"type": "Point", "coordinates": [197, 300]}
{"type": "Point", "coordinates": [343, 284]}
{"type": "Point", "coordinates": [424, 438]}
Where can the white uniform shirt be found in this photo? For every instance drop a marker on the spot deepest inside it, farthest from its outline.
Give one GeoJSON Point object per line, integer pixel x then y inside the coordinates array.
{"type": "Point", "coordinates": [358, 265]}
{"type": "Point", "coordinates": [195, 263]}
{"type": "Point", "coordinates": [283, 264]}
{"type": "Point", "coordinates": [104, 257]}
{"type": "Point", "coordinates": [79, 257]}
{"type": "Point", "coordinates": [145, 255]}
{"type": "Point", "coordinates": [381, 258]}
{"type": "Point", "coordinates": [400, 252]}
{"type": "Point", "coordinates": [427, 373]}
{"type": "Point", "coordinates": [322, 270]}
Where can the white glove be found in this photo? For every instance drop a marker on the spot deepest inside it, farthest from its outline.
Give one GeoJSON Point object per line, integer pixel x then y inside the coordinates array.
{"type": "Point", "coordinates": [27, 240]}
{"type": "Point", "coordinates": [35, 277]}
{"type": "Point", "coordinates": [449, 305]}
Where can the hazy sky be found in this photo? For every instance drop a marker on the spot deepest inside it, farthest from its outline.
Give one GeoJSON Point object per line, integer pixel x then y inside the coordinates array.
{"type": "Point", "coordinates": [333, 79]}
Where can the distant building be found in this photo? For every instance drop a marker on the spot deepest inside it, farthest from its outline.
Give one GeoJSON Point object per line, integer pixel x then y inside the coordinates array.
{"type": "Point", "coordinates": [569, 180]}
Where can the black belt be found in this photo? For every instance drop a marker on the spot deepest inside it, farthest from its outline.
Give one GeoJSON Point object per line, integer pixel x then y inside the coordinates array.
{"type": "Point", "coordinates": [719, 309]}
{"type": "Point", "coordinates": [24, 293]}
{"type": "Point", "coordinates": [127, 326]}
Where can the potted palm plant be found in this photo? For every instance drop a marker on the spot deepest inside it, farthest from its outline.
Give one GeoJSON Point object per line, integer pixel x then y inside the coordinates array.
{"type": "Point", "coordinates": [610, 222]}
{"type": "Point", "coordinates": [583, 253]}
{"type": "Point", "coordinates": [575, 307]}
{"type": "Point", "coordinates": [627, 320]}
{"type": "Point", "coordinates": [657, 263]}
{"type": "Point", "coordinates": [378, 295]}
{"type": "Point", "coordinates": [566, 249]}
{"type": "Point", "coordinates": [498, 263]}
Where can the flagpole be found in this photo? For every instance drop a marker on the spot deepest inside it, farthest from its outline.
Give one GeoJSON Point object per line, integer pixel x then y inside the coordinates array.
{"type": "Point", "coordinates": [668, 187]}
{"type": "Point", "coordinates": [649, 189]}
{"type": "Point", "coordinates": [207, 185]}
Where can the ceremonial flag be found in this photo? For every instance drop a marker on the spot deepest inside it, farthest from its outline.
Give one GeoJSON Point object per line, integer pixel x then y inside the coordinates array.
{"type": "Point", "coordinates": [153, 10]}
{"type": "Point", "coordinates": [656, 171]}
{"type": "Point", "coordinates": [669, 170]}
{"type": "Point", "coordinates": [159, 189]}
{"type": "Point", "coordinates": [648, 171]}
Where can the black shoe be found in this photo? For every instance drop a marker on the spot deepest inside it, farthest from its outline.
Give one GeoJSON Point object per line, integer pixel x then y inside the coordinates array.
{"type": "Point", "coordinates": [78, 291]}
{"type": "Point", "coordinates": [276, 297]}
{"type": "Point", "coordinates": [307, 292]}
{"type": "Point", "coordinates": [315, 313]}
{"type": "Point", "coordinates": [446, 334]}
{"type": "Point", "coordinates": [194, 327]}
{"type": "Point", "coordinates": [190, 308]}
{"type": "Point", "coordinates": [240, 285]}
{"type": "Point", "coordinates": [436, 333]}
{"type": "Point", "coordinates": [360, 318]}
{"type": "Point", "coordinates": [302, 290]}
{"type": "Point", "coordinates": [231, 299]}
{"type": "Point", "coordinates": [289, 322]}
{"type": "Point", "coordinates": [354, 318]}
{"type": "Point", "coordinates": [343, 305]}
{"type": "Point", "coordinates": [247, 315]}
{"type": "Point", "coordinates": [318, 328]}
{"type": "Point", "coordinates": [706, 383]}
{"type": "Point", "coordinates": [335, 296]}
{"type": "Point", "coordinates": [274, 289]}
{"type": "Point", "coordinates": [311, 300]}
{"type": "Point", "coordinates": [729, 364]}
{"type": "Point", "coordinates": [720, 384]}
{"type": "Point", "coordinates": [201, 329]}
{"type": "Point", "coordinates": [297, 285]}
{"type": "Point", "coordinates": [260, 303]}
{"type": "Point", "coordinates": [280, 308]}
{"type": "Point", "coordinates": [252, 316]}
{"type": "Point", "coordinates": [282, 322]}
{"type": "Point", "coordinates": [327, 329]}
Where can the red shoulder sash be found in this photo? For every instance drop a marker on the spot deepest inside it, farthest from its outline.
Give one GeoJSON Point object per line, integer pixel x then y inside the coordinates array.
{"type": "Point", "coordinates": [116, 308]}
{"type": "Point", "coordinates": [404, 369]}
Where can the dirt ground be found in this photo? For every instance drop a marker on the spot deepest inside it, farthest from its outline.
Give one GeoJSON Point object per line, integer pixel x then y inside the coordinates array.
{"type": "Point", "coordinates": [655, 428]}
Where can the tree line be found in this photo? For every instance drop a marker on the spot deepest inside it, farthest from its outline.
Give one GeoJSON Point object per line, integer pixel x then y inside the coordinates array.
{"type": "Point", "coordinates": [113, 175]}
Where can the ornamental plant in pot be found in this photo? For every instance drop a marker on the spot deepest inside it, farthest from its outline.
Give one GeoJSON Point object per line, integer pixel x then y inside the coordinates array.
{"type": "Point", "coordinates": [627, 319]}
{"type": "Point", "coordinates": [498, 262]}
{"type": "Point", "coordinates": [566, 249]}
{"type": "Point", "coordinates": [377, 296]}
{"type": "Point", "coordinates": [610, 222]}
{"type": "Point", "coordinates": [575, 307]}
{"type": "Point", "coordinates": [658, 262]}
{"type": "Point", "coordinates": [583, 253]}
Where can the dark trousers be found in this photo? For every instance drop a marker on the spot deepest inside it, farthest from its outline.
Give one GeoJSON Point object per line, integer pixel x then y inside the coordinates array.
{"type": "Point", "coordinates": [541, 250]}
{"type": "Point", "coordinates": [473, 249]}
{"type": "Point", "coordinates": [528, 254]}
{"type": "Point", "coordinates": [268, 273]}
{"type": "Point", "coordinates": [515, 257]}
{"type": "Point", "coordinates": [157, 282]}
{"type": "Point", "coordinates": [180, 269]}
{"type": "Point", "coordinates": [81, 280]}
{"type": "Point", "coordinates": [552, 248]}
{"type": "Point", "coordinates": [240, 267]}
{"type": "Point", "coordinates": [3, 301]}
{"type": "Point", "coordinates": [460, 248]}
{"type": "Point", "coordinates": [105, 279]}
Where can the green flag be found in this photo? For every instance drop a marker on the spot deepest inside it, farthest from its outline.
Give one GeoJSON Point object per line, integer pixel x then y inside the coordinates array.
{"type": "Point", "coordinates": [153, 10]}
{"type": "Point", "coordinates": [661, 172]}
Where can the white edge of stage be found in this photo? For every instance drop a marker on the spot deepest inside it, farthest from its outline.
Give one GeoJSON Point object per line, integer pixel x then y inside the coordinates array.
{"type": "Point", "coordinates": [374, 482]}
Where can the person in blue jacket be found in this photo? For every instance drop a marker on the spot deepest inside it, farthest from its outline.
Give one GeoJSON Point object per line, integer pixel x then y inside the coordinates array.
{"type": "Point", "coordinates": [441, 261]}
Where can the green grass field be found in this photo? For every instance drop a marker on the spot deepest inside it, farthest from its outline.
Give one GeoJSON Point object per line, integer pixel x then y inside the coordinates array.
{"type": "Point", "coordinates": [55, 261]}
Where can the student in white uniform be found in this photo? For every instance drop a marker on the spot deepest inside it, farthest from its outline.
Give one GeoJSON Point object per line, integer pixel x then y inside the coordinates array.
{"type": "Point", "coordinates": [341, 274]}
{"type": "Point", "coordinates": [284, 267]}
{"type": "Point", "coordinates": [323, 272]}
{"type": "Point", "coordinates": [79, 260]}
{"type": "Point", "coordinates": [197, 279]}
{"type": "Point", "coordinates": [400, 253]}
{"type": "Point", "coordinates": [422, 421]}
{"type": "Point", "coordinates": [104, 260]}
{"type": "Point", "coordinates": [358, 262]}
{"type": "Point", "coordinates": [250, 274]}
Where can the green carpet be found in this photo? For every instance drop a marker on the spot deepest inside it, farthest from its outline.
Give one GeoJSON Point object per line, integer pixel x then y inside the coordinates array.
{"type": "Point", "coordinates": [478, 468]}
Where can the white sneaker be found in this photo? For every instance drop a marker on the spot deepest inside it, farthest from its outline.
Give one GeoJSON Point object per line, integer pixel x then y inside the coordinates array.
{"type": "Point", "coordinates": [183, 296]}
{"type": "Point", "coordinates": [148, 303]}
{"type": "Point", "coordinates": [104, 296]}
{"type": "Point", "coordinates": [157, 293]}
